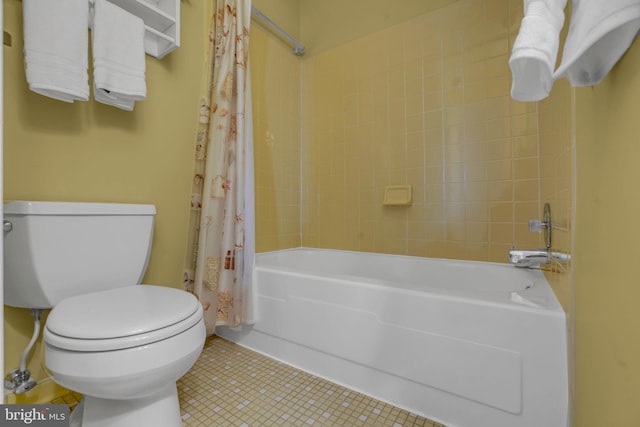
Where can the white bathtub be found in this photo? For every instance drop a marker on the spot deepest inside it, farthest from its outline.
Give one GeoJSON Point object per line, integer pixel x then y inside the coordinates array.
{"type": "Point", "coordinates": [468, 344]}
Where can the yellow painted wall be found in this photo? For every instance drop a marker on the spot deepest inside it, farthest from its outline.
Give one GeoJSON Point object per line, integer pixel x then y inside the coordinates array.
{"type": "Point", "coordinates": [608, 238]}
{"type": "Point", "coordinates": [92, 152]}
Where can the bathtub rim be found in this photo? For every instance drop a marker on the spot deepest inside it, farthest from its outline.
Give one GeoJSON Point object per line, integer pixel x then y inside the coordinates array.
{"type": "Point", "coordinates": [541, 292]}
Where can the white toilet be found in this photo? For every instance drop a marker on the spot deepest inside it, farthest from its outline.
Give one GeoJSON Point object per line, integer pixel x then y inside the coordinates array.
{"type": "Point", "coordinates": [121, 344]}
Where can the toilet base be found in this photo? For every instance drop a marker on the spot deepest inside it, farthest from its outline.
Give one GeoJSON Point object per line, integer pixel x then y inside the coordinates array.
{"type": "Point", "coordinates": [160, 410]}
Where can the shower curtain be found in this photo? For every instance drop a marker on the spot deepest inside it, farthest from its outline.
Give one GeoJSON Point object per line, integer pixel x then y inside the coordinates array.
{"type": "Point", "coordinates": [223, 198]}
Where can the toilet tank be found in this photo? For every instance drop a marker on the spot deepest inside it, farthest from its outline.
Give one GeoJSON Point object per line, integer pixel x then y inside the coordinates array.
{"type": "Point", "coordinates": [55, 250]}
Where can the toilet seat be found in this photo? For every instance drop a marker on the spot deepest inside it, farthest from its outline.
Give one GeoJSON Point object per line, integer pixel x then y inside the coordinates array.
{"type": "Point", "coordinates": [120, 318]}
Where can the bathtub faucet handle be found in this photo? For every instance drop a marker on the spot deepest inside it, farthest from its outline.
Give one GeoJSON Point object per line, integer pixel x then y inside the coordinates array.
{"type": "Point", "coordinates": [535, 225]}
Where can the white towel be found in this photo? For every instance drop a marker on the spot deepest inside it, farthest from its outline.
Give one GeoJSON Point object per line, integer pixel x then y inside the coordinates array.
{"type": "Point", "coordinates": [535, 49]}
{"type": "Point", "coordinates": [118, 56]}
{"type": "Point", "coordinates": [600, 32]}
{"type": "Point", "coordinates": [55, 48]}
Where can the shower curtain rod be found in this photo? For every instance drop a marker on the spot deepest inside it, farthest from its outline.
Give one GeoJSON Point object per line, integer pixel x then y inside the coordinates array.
{"type": "Point", "coordinates": [298, 48]}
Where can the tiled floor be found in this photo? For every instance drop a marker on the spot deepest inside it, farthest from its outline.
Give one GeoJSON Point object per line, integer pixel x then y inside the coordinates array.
{"type": "Point", "coordinates": [232, 386]}
{"type": "Point", "coordinates": [72, 399]}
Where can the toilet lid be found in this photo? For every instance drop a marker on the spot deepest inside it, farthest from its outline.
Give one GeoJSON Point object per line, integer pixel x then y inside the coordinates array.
{"type": "Point", "coordinates": [121, 317]}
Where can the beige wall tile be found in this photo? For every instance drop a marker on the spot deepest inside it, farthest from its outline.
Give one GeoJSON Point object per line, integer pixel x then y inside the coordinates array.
{"type": "Point", "coordinates": [435, 113]}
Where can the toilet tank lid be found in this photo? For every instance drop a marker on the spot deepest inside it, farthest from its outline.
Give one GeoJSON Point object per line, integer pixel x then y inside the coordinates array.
{"type": "Point", "coordinates": [74, 208]}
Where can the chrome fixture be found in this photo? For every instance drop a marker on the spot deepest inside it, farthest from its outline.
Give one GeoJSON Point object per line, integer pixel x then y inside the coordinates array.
{"type": "Point", "coordinates": [535, 225]}
{"type": "Point", "coordinates": [535, 258]}
{"type": "Point", "coordinates": [7, 226]}
{"type": "Point", "coordinates": [19, 380]}
{"type": "Point", "coordinates": [298, 48]}
{"type": "Point", "coordinates": [531, 258]}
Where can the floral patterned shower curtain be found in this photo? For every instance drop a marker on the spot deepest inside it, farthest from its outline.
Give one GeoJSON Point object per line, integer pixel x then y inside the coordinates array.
{"type": "Point", "coordinates": [222, 200]}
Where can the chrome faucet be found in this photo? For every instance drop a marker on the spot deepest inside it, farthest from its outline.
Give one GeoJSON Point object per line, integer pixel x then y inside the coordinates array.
{"type": "Point", "coordinates": [529, 258]}
{"type": "Point", "coordinates": [533, 258]}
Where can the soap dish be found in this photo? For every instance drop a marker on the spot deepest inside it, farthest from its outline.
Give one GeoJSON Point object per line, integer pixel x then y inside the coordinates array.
{"type": "Point", "coordinates": [397, 195]}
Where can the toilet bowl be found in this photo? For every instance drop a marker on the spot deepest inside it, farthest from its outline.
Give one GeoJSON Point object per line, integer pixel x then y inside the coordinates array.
{"type": "Point", "coordinates": [127, 366]}
{"type": "Point", "coordinates": [121, 344]}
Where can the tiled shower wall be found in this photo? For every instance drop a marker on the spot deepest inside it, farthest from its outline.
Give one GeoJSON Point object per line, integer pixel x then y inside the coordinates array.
{"type": "Point", "coordinates": [275, 74]}
{"type": "Point", "coordinates": [424, 103]}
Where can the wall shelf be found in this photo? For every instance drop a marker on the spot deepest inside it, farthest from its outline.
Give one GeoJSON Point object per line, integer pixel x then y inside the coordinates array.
{"type": "Point", "coordinates": [162, 23]}
{"type": "Point", "coordinates": [161, 20]}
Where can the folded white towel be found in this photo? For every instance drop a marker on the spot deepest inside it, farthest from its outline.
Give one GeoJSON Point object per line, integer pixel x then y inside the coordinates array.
{"type": "Point", "coordinates": [118, 56]}
{"type": "Point", "coordinates": [599, 34]}
{"type": "Point", "coordinates": [55, 48]}
{"type": "Point", "coordinates": [535, 49]}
